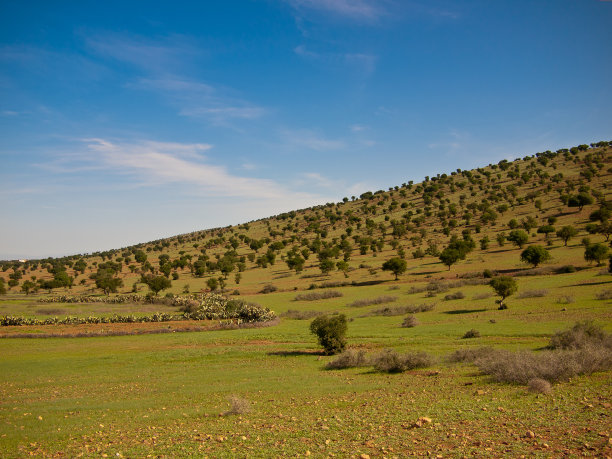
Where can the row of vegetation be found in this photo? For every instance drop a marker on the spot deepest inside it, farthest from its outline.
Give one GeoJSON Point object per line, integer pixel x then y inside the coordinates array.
{"type": "Point", "coordinates": [208, 307]}
{"type": "Point", "coordinates": [583, 349]}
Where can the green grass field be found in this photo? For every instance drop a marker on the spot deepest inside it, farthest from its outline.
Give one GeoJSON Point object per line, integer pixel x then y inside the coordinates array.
{"type": "Point", "coordinates": [164, 395]}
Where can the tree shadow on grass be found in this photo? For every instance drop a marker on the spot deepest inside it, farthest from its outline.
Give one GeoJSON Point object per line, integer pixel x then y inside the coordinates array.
{"type": "Point", "coordinates": [587, 284]}
{"type": "Point", "coordinates": [372, 282]}
{"type": "Point", "coordinates": [424, 273]}
{"type": "Point", "coordinates": [464, 311]}
{"type": "Point", "coordinates": [296, 353]}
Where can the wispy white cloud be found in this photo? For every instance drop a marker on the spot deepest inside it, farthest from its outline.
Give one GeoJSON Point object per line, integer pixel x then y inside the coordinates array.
{"type": "Point", "coordinates": [317, 180]}
{"type": "Point", "coordinates": [360, 10]}
{"type": "Point", "coordinates": [147, 54]}
{"type": "Point", "coordinates": [156, 163]}
{"type": "Point", "coordinates": [305, 138]}
{"type": "Point", "coordinates": [164, 66]}
{"type": "Point", "coordinates": [363, 62]}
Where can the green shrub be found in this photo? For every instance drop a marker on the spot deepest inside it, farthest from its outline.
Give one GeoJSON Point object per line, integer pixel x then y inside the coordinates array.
{"type": "Point", "coordinates": [330, 331]}
{"type": "Point", "coordinates": [473, 333]}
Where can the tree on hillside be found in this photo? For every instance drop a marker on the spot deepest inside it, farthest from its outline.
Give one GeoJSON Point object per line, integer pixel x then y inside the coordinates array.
{"type": "Point", "coordinates": [595, 252]}
{"type": "Point", "coordinates": [344, 267]}
{"type": "Point", "coordinates": [450, 256]}
{"type": "Point", "coordinates": [326, 265]}
{"type": "Point", "coordinates": [156, 283]}
{"type": "Point", "coordinates": [106, 281]}
{"type": "Point", "coordinates": [504, 286]}
{"type": "Point", "coordinates": [580, 200]}
{"type": "Point", "coordinates": [396, 265]}
{"type": "Point", "coordinates": [140, 256]}
{"type": "Point", "coordinates": [566, 233]}
{"type": "Point", "coordinates": [2, 287]}
{"type": "Point", "coordinates": [518, 238]}
{"type": "Point", "coordinates": [212, 284]}
{"type": "Point", "coordinates": [535, 254]}
{"type": "Point", "coordinates": [27, 287]}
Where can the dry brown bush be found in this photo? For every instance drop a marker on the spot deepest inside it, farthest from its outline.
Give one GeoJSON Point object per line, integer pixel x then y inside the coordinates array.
{"type": "Point", "coordinates": [301, 315]}
{"type": "Point", "coordinates": [473, 333]}
{"type": "Point", "coordinates": [538, 293]}
{"type": "Point", "coordinates": [391, 362]}
{"type": "Point", "coordinates": [238, 405]}
{"type": "Point", "coordinates": [582, 334]}
{"type": "Point", "coordinates": [314, 296]}
{"type": "Point", "coordinates": [454, 296]}
{"type": "Point", "coordinates": [350, 358]}
{"type": "Point", "coordinates": [470, 354]}
{"type": "Point", "coordinates": [539, 386]}
{"type": "Point", "coordinates": [410, 322]}
{"type": "Point", "coordinates": [370, 301]}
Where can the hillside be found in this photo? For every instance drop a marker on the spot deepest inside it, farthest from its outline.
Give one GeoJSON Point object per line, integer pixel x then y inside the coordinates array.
{"type": "Point", "coordinates": [433, 366]}
{"type": "Point", "coordinates": [348, 241]}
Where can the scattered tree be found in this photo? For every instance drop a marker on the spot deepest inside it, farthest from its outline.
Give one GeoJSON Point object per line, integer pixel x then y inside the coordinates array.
{"type": "Point", "coordinates": [396, 265]}
{"type": "Point", "coordinates": [566, 233]}
{"type": "Point", "coordinates": [518, 238]}
{"type": "Point", "coordinates": [156, 283]}
{"type": "Point", "coordinates": [596, 252]}
{"type": "Point", "coordinates": [504, 286]}
{"type": "Point", "coordinates": [535, 254]}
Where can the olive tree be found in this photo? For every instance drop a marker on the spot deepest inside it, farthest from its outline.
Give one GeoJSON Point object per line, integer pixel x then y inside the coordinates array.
{"type": "Point", "coordinates": [504, 286]}
{"type": "Point", "coordinates": [534, 255]}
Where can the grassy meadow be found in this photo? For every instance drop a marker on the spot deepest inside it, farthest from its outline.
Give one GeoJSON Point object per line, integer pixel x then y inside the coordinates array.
{"type": "Point", "coordinates": [265, 392]}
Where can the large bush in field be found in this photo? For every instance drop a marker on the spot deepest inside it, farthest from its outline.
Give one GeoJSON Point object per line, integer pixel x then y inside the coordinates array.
{"type": "Point", "coordinates": [330, 332]}
{"type": "Point", "coordinates": [217, 307]}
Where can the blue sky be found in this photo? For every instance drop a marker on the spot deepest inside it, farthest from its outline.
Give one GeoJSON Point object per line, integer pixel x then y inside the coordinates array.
{"type": "Point", "coordinates": [124, 122]}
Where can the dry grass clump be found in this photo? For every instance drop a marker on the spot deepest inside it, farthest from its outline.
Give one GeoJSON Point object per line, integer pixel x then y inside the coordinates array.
{"type": "Point", "coordinates": [370, 301]}
{"type": "Point", "coordinates": [470, 354]}
{"type": "Point", "coordinates": [482, 296]}
{"type": "Point", "coordinates": [51, 311]}
{"type": "Point", "coordinates": [566, 299]}
{"type": "Point", "coordinates": [314, 296]}
{"type": "Point", "coordinates": [350, 358]}
{"type": "Point", "coordinates": [473, 333]}
{"type": "Point", "coordinates": [301, 315]}
{"type": "Point", "coordinates": [604, 295]}
{"type": "Point", "coordinates": [521, 367]}
{"type": "Point", "coordinates": [400, 310]}
{"type": "Point", "coordinates": [538, 293]}
{"type": "Point", "coordinates": [454, 296]}
{"type": "Point", "coordinates": [238, 405]}
{"type": "Point", "coordinates": [391, 362]}
{"type": "Point", "coordinates": [539, 386]}
{"type": "Point", "coordinates": [581, 335]}
{"type": "Point", "coordinates": [269, 288]}
{"type": "Point", "coordinates": [410, 321]}
{"type": "Point", "coordinates": [583, 349]}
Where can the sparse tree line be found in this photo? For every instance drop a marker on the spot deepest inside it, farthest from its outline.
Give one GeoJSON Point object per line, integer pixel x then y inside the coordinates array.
{"type": "Point", "coordinates": [483, 195]}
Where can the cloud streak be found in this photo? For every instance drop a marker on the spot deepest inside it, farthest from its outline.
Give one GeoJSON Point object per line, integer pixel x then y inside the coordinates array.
{"type": "Point", "coordinates": [155, 163]}
{"type": "Point", "coordinates": [191, 97]}
{"type": "Point", "coordinates": [359, 10]}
